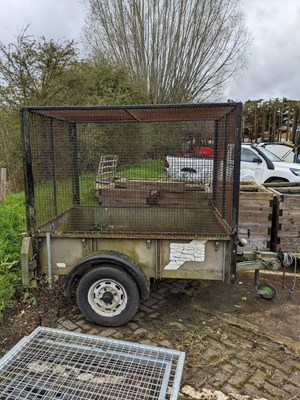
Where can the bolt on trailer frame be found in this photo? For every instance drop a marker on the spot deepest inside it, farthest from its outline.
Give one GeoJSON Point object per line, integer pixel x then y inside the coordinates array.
{"type": "Point", "coordinates": [105, 204]}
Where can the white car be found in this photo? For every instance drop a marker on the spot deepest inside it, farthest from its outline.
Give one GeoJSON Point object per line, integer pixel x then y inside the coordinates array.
{"type": "Point", "coordinates": [257, 164]}
{"type": "Point", "coordinates": [190, 169]}
{"type": "Point", "coordinates": [266, 166]}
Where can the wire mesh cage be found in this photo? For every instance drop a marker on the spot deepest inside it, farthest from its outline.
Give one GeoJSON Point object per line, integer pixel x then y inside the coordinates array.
{"type": "Point", "coordinates": [146, 170]}
{"type": "Point", "coordinates": [56, 364]}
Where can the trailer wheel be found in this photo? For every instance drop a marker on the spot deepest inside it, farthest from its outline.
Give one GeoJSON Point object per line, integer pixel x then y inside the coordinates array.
{"type": "Point", "coordinates": [266, 291]}
{"type": "Point", "coordinates": [108, 296]}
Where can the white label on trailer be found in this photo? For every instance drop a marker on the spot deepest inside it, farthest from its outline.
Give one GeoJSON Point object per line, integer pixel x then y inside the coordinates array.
{"type": "Point", "coordinates": [182, 252]}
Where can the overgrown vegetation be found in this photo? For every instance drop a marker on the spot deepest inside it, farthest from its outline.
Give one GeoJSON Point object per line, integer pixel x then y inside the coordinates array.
{"type": "Point", "coordinates": [12, 226]}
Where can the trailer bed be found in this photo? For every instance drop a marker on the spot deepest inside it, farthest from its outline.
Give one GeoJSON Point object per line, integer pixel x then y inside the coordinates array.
{"type": "Point", "coordinates": [147, 221]}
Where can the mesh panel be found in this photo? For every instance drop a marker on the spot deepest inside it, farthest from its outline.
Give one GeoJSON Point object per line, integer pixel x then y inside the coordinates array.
{"type": "Point", "coordinates": [137, 170]}
{"type": "Point", "coordinates": [53, 364]}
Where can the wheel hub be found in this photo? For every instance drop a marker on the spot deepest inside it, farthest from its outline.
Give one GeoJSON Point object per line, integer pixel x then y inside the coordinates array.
{"type": "Point", "coordinates": [107, 297]}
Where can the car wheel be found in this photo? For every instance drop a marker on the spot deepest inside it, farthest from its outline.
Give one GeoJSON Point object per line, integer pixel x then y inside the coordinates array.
{"type": "Point", "coordinates": [108, 296]}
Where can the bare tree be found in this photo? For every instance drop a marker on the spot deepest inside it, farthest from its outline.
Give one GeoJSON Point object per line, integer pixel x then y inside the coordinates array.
{"type": "Point", "coordinates": [180, 50]}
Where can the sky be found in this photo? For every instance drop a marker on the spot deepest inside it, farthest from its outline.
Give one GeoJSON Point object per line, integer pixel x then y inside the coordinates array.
{"type": "Point", "coordinates": [273, 66]}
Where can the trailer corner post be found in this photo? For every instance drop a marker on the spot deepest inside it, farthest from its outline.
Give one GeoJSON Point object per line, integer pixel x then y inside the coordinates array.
{"type": "Point", "coordinates": [236, 190]}
{"type": "Point", "coordinates": [29, 180]}
{"type": "Point", "coordinates": [28, 172]}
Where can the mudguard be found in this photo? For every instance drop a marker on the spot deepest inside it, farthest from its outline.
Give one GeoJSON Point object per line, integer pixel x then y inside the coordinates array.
{"type": "Point", "coordinates": [112, 257]}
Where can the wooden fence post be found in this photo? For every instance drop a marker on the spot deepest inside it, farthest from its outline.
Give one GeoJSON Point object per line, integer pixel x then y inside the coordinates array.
{"type": "Point", "coordinates": [2, 184]}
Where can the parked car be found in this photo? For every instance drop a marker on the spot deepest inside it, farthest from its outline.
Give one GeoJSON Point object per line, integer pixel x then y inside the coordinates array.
{"type": "Point", "coordinates": [257, 164]}
{"type": "Point", "coordinates": [190, 169]}
{"type": "Point", "coordinates": [267, 167]}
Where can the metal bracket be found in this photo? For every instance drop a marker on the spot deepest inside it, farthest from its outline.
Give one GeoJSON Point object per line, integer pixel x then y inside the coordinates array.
{"type": "Point", "coordinates": [216, 245]}
{"type": "Point", "coordinates": [259, 261]}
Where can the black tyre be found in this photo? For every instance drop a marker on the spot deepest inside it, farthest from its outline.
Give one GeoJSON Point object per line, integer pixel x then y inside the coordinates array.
{"type": "Point", "coordinates": [108, 296]}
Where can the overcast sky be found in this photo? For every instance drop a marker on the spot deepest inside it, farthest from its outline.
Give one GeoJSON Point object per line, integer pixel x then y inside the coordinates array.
{"type": "Point", "coordinates": [274, 56]}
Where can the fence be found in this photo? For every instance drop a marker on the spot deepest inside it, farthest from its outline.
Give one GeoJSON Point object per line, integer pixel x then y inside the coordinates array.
{"type": "Point", "coordinates": [2, 184]}
{"type": "Point", "coordinates": [255, 214]}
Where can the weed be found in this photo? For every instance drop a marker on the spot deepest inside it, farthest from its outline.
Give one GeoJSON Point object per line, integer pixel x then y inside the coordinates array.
{"type": "Point", "coordinates": [30, 299]}
{"type": "Point", "coordinates": [103, 228]}
{"type": "Point", "coordinates": [12, 226]}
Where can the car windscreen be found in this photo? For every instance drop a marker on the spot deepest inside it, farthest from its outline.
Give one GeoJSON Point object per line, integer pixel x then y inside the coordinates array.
{"type": "Point", "coordinates": [271, 156]}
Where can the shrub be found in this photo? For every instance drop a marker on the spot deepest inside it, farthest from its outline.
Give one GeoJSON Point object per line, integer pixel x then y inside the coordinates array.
{"type": "Point", "coordinates": [12, 226]}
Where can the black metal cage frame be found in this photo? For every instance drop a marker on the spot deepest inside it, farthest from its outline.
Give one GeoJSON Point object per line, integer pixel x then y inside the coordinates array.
{"type": "Point", "coordinates": [104, 170]}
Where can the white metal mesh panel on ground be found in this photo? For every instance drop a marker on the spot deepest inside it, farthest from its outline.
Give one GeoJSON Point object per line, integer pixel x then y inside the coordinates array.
{"type": "Point", "coordinates": [56, 364]}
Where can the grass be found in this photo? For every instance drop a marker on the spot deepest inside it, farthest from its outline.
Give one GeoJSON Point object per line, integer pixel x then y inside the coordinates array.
{"type": "Point", "coordinates": [148, 169]}
{"type": "Point", "coordinates": [12, 226]}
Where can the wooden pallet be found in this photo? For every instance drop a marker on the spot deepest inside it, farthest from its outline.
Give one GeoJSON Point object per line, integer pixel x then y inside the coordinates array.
{"type": "Point", "coordinates": [126, 193]}
{"type": "Point", "coordinates": [286, 232]}
{"type": "Point", "coordinates": [255, 213]}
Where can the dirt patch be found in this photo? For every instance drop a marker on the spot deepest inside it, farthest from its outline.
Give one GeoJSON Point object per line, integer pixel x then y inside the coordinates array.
{"type": "Point", "coordinates": [29, 309]}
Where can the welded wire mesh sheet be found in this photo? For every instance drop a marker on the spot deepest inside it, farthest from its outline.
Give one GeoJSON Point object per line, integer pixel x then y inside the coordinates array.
{"type": "Point", "coordinates": [145, 158]}
{"type": "Point", "coordinates": [55, 364]}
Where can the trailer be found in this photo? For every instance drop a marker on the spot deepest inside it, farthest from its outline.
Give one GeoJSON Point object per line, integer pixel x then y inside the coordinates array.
{"type": "Point", "coordinates": [102, 210]}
